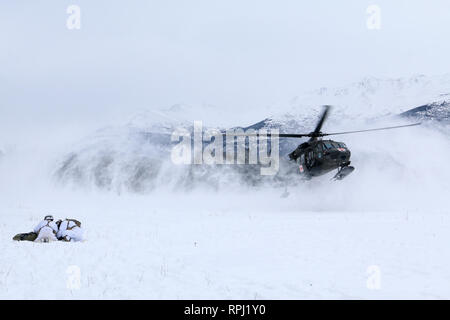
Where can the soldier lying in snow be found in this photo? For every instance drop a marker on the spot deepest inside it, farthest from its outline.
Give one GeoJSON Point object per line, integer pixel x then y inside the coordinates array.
{"type": "Point", "coordinates": [48, 230]}
{"type": "Point", "coordinates": [69, 230]}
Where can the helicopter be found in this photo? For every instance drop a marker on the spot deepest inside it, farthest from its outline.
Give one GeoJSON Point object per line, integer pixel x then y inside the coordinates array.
{"type": "Point", "coordinates": [318, 156]}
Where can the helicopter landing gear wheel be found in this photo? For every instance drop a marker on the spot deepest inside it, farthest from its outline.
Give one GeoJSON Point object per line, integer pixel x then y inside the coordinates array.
{"type": "Point", "coordinates": [343, 172]}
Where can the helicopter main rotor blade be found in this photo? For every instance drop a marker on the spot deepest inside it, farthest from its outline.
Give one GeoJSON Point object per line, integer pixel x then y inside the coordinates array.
{"type": "Point", "coordinates": [377, 129]}
{"type": "Point", "coordinates": [319, 125]}
{"type": "Point", "coordinates": [280, 135]}
{"type": "Point", "coordinates": [319, 134]}
{"type": "Point", "coordinates": [293, 135]}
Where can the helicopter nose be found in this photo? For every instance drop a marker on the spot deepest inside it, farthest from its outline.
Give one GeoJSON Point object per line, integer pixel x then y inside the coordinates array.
{"type": "Point", "coordinates": [335, 155]}
{"type": "Point", "coordinates": [345, 155]}
{"type": "Point", "coordinates": [340, 155]}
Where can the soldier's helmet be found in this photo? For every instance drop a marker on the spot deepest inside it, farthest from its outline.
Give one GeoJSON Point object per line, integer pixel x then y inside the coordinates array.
{"type": "Point", "coordinates": [49, 218]}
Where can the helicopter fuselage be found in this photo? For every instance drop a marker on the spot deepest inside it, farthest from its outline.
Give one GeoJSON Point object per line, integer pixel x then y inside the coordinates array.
{"type": "Point", "coordinates": [318, 157]}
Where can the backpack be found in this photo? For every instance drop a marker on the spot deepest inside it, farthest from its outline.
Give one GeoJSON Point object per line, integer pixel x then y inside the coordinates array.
{"type": "Point", "coordinates": [77, 224]}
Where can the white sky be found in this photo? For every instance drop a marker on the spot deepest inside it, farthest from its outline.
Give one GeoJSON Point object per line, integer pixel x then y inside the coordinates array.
{"type": "Point", "coordinates": [228, 53]}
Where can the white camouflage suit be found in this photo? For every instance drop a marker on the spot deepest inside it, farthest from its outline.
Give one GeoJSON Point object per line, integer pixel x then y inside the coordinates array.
{"type": "Point", "coordinates": [69, 231]}
{"type": "Point", "coordinates": [46, 231]}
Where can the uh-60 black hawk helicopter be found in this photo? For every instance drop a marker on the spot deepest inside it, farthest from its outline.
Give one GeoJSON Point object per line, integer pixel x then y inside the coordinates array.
{"type": "Point", "coordinates": [317, 156]}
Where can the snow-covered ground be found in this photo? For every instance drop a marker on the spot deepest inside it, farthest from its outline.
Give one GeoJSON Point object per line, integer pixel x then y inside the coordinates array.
{"type": "Point", "coordinates": [254, 246]}
{"type": "Point", "coordinates": [383, 232]}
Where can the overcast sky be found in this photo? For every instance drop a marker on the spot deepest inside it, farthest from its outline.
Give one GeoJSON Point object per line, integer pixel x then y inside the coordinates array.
{"type": "Point", "coordinates": [230, 53]}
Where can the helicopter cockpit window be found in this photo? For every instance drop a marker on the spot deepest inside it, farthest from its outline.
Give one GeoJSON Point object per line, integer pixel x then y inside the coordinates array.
{"type": "Point", "coordinates": [335, 144]}
{"type": "Point", "coordinates": [327, 145]}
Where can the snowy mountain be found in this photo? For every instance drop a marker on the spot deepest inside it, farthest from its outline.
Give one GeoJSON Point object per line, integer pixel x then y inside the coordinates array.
{"type": "Point", "coordinates": [436, 111]}
{"type": "Point", "coordinates": [373, 97]}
